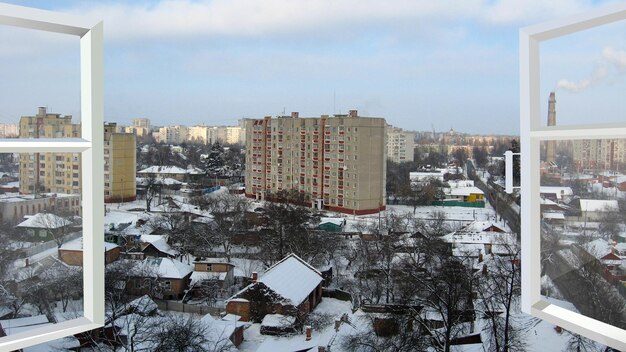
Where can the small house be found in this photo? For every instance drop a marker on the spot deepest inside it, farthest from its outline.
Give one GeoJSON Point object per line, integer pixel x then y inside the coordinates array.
{"type": "Point", "coordinates": [168, 277]}
{"type": "Point", "coordinates": [289, 287]}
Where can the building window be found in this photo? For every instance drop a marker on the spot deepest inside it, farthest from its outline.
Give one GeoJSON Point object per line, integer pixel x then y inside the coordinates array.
{"type": "Point", "coordinates": [533, 134]}
{"type": "Point", "coordinates": [91, 57]}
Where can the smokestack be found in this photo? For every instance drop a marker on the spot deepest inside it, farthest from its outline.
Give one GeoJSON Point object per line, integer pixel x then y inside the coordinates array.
{"type": "Point", "coordinates": [308, 332]}
{"type": "Point", "coordinates": [255, 276]}
{"type": "Point", "coordinates": [551, 145]}
{"type": "Point", "coordinates": [353, 113]}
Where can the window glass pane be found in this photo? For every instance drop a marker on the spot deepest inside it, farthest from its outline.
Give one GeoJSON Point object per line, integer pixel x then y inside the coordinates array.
{"type": "Point", "coordinates": [585, 70]}
{"type": "Point", "coordinates": [40, 241]}
{"type": "Point", "coordinates": [40, 81]}
{"type": "Point", "coordinates": [583, 238]}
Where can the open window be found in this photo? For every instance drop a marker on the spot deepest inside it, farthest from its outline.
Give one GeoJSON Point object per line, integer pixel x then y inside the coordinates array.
{"type": "Point", "coordinates": [534, 136]}
{"type": "Point", "coordinates": [90, 147]}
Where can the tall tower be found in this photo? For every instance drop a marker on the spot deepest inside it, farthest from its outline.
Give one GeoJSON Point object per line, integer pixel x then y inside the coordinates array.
{"type": "Point", "coordinates": [551, 145]}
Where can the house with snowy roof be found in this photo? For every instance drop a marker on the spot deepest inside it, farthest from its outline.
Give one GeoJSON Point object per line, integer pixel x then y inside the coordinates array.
{"type": "Point", "coordinates": [596, 209]}
{"type": "Point", "coordinates": [210, 276]}
{"type": "Point", "coordinates": [172, 172]}
{"type": "Point", "coordinates": [289, 287]}
{"type": "Point", "coordinates": [71, 253]}
{"type": "Point", "coordinates": [169, 276]}
{"type": "Point", "coordinates": [45, 226]}
{"type": "Point", "coordinates": [604, 251]}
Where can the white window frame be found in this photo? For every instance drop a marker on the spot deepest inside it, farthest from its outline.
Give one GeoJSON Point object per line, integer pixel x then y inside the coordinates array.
{"type": "Point", "coordinates": [532, 133]}
{"type": "Point", "coordinates": [91, 148]}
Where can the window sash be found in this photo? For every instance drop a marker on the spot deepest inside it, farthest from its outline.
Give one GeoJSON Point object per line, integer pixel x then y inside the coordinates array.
{"type": "Point", "coordinates": [91, 148]}
{"type": "Point", "coordinates": [532, 133]}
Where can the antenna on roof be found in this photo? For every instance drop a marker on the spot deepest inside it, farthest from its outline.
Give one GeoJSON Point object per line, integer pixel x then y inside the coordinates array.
{"type": "Point", "coordinates": [334, 102]}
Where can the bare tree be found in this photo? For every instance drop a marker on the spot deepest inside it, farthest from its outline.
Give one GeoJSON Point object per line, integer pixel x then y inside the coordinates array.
{"type": "Point", "coordinates": [498, 288]}
{"type": "Point", "coordinates": [55, 225]}
{"type": "Point", "coordinates": [229, 218]}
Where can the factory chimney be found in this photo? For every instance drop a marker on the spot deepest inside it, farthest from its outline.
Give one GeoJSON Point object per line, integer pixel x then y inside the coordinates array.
{"type": "Point", "coordinates": [551, 145]}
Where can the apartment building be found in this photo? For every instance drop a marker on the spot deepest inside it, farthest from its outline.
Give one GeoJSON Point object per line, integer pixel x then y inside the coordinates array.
{"type": "Point", "coordinates": [140, 127]}
{"type": "Point", "coordinates": [172, 134]}
{"type": "Point", "coordinates": [400, 144]}
{"type": "Point", "coordinates": [9, 130]}
{"type": "Point", "coordinates": [60, 172]}
{"type": "Point", "coordinates": [600, 154]}
{"type": "Point", "coordinates": [120, 165]}
{"type": "Point", "coordinates": [338, 162]}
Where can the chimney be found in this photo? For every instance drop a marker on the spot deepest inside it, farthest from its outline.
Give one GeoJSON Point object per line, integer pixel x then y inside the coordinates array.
{"type": "Point", "coordinates": [255, 276]}
{"type": "Point", "coordinates": [295, 114]}
{"type": "Point", "coordinates": [26, 262]}
{"type": "Point", "coordinates": [353, 113]}
{"type": "Point", "coordinates": [308, 332]}
{"type": "Point", "coordinates": [321, 349]}
{"type": "Point", "coordinates": [551, 145]}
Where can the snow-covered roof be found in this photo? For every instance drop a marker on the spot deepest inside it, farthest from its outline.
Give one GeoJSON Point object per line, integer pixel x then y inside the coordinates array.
{"type": "Point", "coordinates": [480, 226]}
{"type": "Point", "coordinates": [334, 221]}
{"type": "Point", "coordinates": [163, 268]}
{"type": "Point", "coordinates": [44, 221]}
{"type": "Point", "coordinates": [464, 191]}
{"type": "Point", "coordinates": [159, 243]}
{"type": "Point", "coordinates": [278, 320]}
{"type": "Point", "coordinates": [77, 245]}
{"type": "Point", "coordinates": [163, 170]}
{"type": "Point", "coordinates": [553, 216]}
{"type": "Point", "coordinates": [199, 276]}
{"type": "Point", "coordinates": [558, 191]}
{"type": "Point", "coordinates": [598, 248]}
{"type": "Point", "coordinates": [598, 205]}
{"type": "Point", "coordinates": [292, 278]}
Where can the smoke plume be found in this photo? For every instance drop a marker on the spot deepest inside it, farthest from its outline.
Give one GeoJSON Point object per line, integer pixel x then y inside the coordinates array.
{"type": "Point", "coordinates": [611, 58]}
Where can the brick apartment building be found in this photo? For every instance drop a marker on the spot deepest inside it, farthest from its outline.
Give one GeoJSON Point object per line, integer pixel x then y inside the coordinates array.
{"type": "Point", "coordinates": [338, 162]}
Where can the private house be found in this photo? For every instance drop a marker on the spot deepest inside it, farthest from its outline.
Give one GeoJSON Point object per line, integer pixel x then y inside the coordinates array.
{"type": "Point", "coordinates": [169, 276]}
{"type": "Point", "coordinates": [229, 327]}
{"type": "Point", "coordinates": [289, 287]}
{"type": "Point", "coordinates": [480, 238]}
{"type": "Point", "coordinates": [556, 194]}
{"type": "Point", "coordinates": [462, 193]}
{"type": "Point", "coordinates": [596, 210]}
{"type": "Point", "coordinates": [71, 253]}
{"type": "Point", "coordinates": [332, 224]}
{"type": "Point", "coordinates": [211, 276]}
{"type": "Point", "coordinates": [156, 246]}
{"type": "Point", "coordinates": [606, 255]}
{"type": "Point", "coordinates": [170, 172]}
{"type": "Point", "coordinates": [45, 226]}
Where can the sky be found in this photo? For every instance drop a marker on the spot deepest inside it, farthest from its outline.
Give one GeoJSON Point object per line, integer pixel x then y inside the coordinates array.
{"type": "Point", "coordinates": [422, 65]}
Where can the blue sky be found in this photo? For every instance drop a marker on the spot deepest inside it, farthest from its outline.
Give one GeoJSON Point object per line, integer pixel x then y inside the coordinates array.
{"type": "Point", "coordinates": [419, 64]}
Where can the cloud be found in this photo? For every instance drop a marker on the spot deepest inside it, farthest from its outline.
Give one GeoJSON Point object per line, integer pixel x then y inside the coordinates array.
{"type": "Point", "coordinates": [610, 59]}
{"type": "Point", "coordinates": [253, 18]}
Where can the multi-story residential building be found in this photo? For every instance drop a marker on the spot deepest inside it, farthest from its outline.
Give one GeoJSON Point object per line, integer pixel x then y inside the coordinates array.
{"type": "Point", "coordinates": [400, 144]}
{"type": "Point", "coordinates": [199, 134]}
{"type": "Point", "coordinates": [60, 172]}
{"type": "Point", "coordinates": [338, 163]}
{"type": "Point", "coordinates": [172, 134]}
{"type": "Point", "coordinates": [49, 172]}
{"type": "Point", "coordinates": [140, 127]}
{"type": "Point", "coordinates": [9, 130]}
{"type": "Point", "coordinates": [120, 163]}
{"type": "Point", "coordinates": [600, 154]}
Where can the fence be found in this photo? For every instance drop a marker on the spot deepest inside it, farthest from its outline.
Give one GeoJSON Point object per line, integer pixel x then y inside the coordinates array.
{"type": "Point", "coordinates": [188, 308]}
{"type": "Point", "coordinates": [30, 251]}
